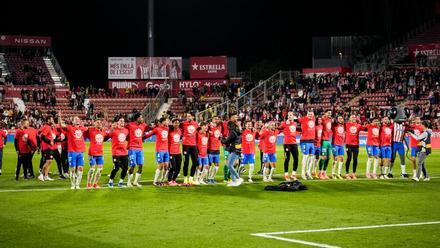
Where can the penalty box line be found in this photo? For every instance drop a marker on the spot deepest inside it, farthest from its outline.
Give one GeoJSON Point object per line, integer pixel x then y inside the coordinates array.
{"type": "Point", "coordinates": [274, 235]}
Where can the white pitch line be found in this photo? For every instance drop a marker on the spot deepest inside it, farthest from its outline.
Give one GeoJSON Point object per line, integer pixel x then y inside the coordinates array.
{"type": "Point", "coordinates": [298, 241]}
{"type": "Point", "coordinates": [271, 235]}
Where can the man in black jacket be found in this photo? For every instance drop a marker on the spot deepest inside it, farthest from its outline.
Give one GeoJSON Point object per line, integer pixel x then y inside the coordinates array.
{"type": "Point", "coordinates": [233, 146]}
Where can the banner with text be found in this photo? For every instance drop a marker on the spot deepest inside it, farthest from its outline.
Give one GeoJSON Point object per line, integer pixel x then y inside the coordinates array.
{"type": "Point", "coordinates": [425, 55]}
{"type": "Point", "coordinates": [29, 41]}
{"type": "Point", "coordinates": [208, 67]}
{"type": "Point", "coordinates": [145, 68]}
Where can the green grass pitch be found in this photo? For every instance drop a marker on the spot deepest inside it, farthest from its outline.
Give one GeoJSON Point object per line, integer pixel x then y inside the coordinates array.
{"type": "Point", "coordinates": [217, 216]}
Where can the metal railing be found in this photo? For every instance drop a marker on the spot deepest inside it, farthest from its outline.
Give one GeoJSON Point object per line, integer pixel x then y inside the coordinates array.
{"type": "Point", "coordinates": [255, 97]}
{"type": "Point", "coordinates": [152, 108]}
{"type": "Point", "coordinates": [57, 67]}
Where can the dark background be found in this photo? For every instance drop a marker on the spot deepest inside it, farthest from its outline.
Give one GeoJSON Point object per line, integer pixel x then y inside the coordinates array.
{"type": "Point", "coordinates": [85, 33]}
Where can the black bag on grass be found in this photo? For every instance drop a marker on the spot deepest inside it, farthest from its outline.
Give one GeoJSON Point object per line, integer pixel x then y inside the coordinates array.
{"type": "Point", "coordinates": [287, 186]}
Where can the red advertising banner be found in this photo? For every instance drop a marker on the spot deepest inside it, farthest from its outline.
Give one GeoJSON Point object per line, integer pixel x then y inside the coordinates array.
{"type": "Point", "coordinates": [29, 41]}
{"type": "Point", "coordinates": [145, 68]}
{"type": "Point", "coordinates": [176, 86]}
{"type": "Point", "coordinates": [431, 51]}
{"type": "Point", "coordinates": [326, 70]}
{"type": "Point", "coordinates": [208, 67]}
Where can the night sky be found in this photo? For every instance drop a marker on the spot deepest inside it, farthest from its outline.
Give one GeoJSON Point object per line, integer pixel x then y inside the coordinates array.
{"type": "Point", "coordinates": [85, 33]}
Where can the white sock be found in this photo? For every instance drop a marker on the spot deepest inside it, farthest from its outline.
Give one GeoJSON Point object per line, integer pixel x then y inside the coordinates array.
{"type": "Point", "coordinates": [72, 178]}
{"type": "Point", "coordinates": [303, 165]}
{"type": "Point", "coordinates": [376, 163]}
{"type": "Point", "coordinates": [264, 172]}
{"type": "Point", "coordinates": [310, 165]}
{"type": "Point", "coordinates": [205, 173]}
{"type": "Point", "coordinates": [368, 165]}
{"type": "Point", "coordinates": [272, 170]}
{"type": "Point", "coordinates": [340, 167]}
{"type": "Point", "coordinates": [79, 178]}
{"type": "Point", "coordinates": [97, 176]}
{"type": "Point", "coordinates": [414, 173]}
{"type": "Point", "coordinates": [403, 168]}
{"type": "Point", "coordinates": [129, 179]}
{"type": "Point", "coordinates": [385, 170]}
{"type": "Point", "coordinates": [136, 179]}
{"type": "Point", "coordinates": [121, 180]}
{"type": "Point", "coordinates": [215, 172]}
{"type": "Point", "coordinates": [165, 175]}
{"type": "Point", "coordinates": [156, 175]}
{"type": "Point", "coordinates": [110, 181]}
{"type": "Point", "coordinates": [90, 176]}
{"type": "Point", "coordinates": [251, 170]}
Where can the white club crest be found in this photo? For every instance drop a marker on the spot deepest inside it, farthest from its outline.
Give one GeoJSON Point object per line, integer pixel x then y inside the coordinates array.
{"type": "Point", "coordinates": [204, 140]}
{"type": "Point", "coordinates": [272, 139]}
{"type": "Point", "coordinates": [340, 130]}
{"type": "Point", "coordinates": [78, 134]}
{"type": "Point", "coordinates": [328, 125]}
{"type": "Point", "coordinates": [292, 128]}
{"type": "Point", "coordinates": [99, 138]}
{"type": "Point", "coordinates": [217, 133]}
{"type": "Point", "coordinates": [176, 138]}
{"type": "Point", "coordinates": [191, 129]}
{"type": "Point", "coordinates": [376, 131]}
{"type": "Point", "coordinates": [353, 129]}
{"type": "Point", "coordinates": [122, 137]}
{"type": "Point", "coordinates": [249, 137]}
{"type": "Point", "coordinates": [138, 133]}
{"type": "Point", "coordinates": [164, 134]}
{"type": "Point", "coordinates": [387, 131]}
{"type": "Point", "coordinates": [311, 124]}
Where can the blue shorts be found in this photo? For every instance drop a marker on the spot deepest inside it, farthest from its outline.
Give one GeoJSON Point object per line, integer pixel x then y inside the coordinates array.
{"type": "Point", "coordinates": [162, 157]}
{"type": "Point", "coordinates": [399, 148]}
{"type": "Point", "coordinates": [75, 159]}
{"type": "Point", "coordinates": [248, 158]}
{"type": "Point", "coordinates": [308, 148]}
{"type": "Point", "coordinates": [269, 158]}
{"type": "Point", "coordinates": [373, 151]}
{"type": "Point", "coordinates": [96, 160]}
{"type": "Point", "coordinates": [338, 150]}
{"type": "Point", "coordinates": [317, 151]}
{"type": "Point", "coordinates": [203, 161]}
{"type": "Point", "coordinates": [135, 157]}
{"type": "Point", "coordinates": [214, 158]}
{"type": "Point", "coordinates": [414, 151]}
{"type": "Point", "coordinates": [385, 151]}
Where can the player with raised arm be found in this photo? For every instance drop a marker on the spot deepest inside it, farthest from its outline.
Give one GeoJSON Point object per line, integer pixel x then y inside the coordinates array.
{"type": "Point", "coordinates": [75, 150]}
{"type": "Point", "coordinates": [136, 130]}
{"type": "Point", "coordinates": [386, 135]}
{"type": "Point", "coordinates": [352, 145]}
{"type": "Point", "coordinates": [174, 137]}
{"type": "Point", "coordinates": [202, 148]}
{"type": "Point", "coordinates": [288, 128]}
{"type": "Point", "coordinates": [119, 134]}
{"type": "Point", "coordinates": [214, 144]}
{"type": "Point", "coordinates": [189, 146]}
{"type": "Point", "coordinates": [308, 134]}
{"type": "Point", "coordinates": [162, 152]}
{"type": "Point", "coordinates": [373, 141]}
{"type": "Point", "coordinates": [248, 148]}
{"type": "Point", "coordinates": [268, 135]}
{"type": "Point", "coordinates": [97, 135]}
{"type": "Point", "coordinates": [338, 146]}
